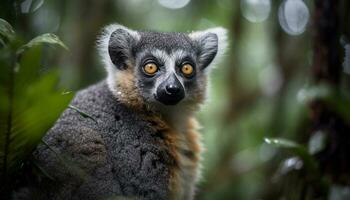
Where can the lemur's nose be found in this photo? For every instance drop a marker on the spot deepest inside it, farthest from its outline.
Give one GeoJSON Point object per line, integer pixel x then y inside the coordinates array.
{"type": "Point", "coordinates": [172, 89]}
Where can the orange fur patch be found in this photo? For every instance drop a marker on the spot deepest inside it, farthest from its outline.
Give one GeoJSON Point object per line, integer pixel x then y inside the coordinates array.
{"type": "Point", "coordinates": [184, 148]}
{"type": "Point", "coordinates": [193, 138]}
{"type": "Point", "coordinates": [199, 94]}
{"type": "Point", "coordinates": [128, 93]}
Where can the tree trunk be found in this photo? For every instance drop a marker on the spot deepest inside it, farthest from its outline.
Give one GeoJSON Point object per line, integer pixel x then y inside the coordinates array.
{"type": "Point", "coordinates": [334, 160]}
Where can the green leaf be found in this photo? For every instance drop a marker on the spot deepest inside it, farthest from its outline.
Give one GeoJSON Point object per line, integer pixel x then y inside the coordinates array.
{"type": "Point", "coordinates": [82, 113]}
{"type": "Point", "coordinates": [295, 149]}
{"type": "Point", "coordinates": [280, 142]}
{"type": "Point", "coordinates": [30, 101]}
{"type": "Point", "coordinates": [28, 69]}
{"type": "Point", "coordinates": [37, 104]}
{"type": "Point", "coordinates": [6, 30]}
{"type": "Point", "coordinates": [47, 38]}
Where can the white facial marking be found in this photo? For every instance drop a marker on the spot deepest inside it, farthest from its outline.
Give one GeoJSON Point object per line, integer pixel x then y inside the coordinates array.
{"type": "Point", "coordinates": [169, 65]}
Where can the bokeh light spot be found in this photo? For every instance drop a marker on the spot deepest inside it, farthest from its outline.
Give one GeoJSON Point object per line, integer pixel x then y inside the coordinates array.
{"type": "Point", "coordinates": [293, 16]}
{"type": "Point", "coordinates": [270, 80]}
{"type": "Point", "coordinates": [256, 10]}
{"type": "Point", "coordinates": [173, 4]}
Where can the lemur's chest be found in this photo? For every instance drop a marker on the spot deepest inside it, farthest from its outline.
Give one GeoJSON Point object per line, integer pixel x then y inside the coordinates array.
{"type": "Point", "coordinates": [185, 149]}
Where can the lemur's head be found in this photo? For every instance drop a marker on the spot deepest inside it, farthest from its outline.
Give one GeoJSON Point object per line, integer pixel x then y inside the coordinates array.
{"type": "Point", "coordinates": [159, 69]}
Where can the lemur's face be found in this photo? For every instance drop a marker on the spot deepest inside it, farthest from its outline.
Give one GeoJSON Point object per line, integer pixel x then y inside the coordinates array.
{"type": "Point", "coordinates": [166, 68]}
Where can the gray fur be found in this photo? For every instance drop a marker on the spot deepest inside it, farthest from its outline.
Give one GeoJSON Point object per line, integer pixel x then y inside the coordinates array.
{"type": "Point", "coordinates": [119, 156]}
{"type": "Point", "coordinates": [166, 41]}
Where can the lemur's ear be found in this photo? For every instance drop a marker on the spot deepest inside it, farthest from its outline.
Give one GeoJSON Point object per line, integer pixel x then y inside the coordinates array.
{"type": "Point", "coordinates": [115, 45]}
{"type": "Point", "coordinates": [211, 45]}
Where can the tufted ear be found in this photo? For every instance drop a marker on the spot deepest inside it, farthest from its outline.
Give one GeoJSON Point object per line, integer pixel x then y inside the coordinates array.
{"type": "Point", "coordinates": [115, 45]}
{"type": "Point", "coordinates": [211, 45]}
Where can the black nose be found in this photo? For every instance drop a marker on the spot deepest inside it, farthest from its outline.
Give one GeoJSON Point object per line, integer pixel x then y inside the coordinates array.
{"type": "Point", "coordinates": [172, 89]}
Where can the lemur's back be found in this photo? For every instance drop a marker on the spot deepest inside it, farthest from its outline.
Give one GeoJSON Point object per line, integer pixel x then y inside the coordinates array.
{"type": "Point", "coordinates": [117, 156]}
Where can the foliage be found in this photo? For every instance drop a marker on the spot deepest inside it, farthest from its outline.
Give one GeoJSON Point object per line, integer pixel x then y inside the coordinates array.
{"type": "Point", "coordinates": [264, 88]}
{"type": "Point", "coordinates": [82, 113]}
{"type": "Point", "coordinates": [296, 150]}
{"type": "Point", "coordinates": [30, 101]}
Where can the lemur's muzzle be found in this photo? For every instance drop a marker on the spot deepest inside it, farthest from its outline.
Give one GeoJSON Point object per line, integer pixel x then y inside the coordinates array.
{"type": "Point", "coordinates": [170, 91]}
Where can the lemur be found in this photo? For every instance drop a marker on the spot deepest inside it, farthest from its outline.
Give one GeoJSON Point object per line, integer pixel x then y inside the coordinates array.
{"type": "Point", "coordinates": [144, 141]}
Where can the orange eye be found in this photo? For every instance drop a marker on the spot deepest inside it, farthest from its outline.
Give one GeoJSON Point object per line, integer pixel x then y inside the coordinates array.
{"type": "Point", "coordinates": [150, 68]}
{"type": "Point", "coordinates": [187, 69]}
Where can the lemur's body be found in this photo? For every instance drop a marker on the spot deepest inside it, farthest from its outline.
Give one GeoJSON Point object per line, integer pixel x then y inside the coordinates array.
{"type": "Point", "coordinates": [145, 143]}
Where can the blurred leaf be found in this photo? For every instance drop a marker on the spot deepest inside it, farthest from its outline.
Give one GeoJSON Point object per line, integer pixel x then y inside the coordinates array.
{"type": "Point", "coordinates": [288, 165]}
{"type": "Point", "coordinates": [317, 142]}
{"type": "Point", "coordinates": [42, 170]}
{"type": "Point", "coordinates": [311, 93]}
{"type": "Point", "coordinates": [284, 143]}
{"type": "Point", "coordinates": [2, 42]}
{"type": "Point", "coordinates": [28, 69]}
{"type": "Point", "coordinates": [336, 101]}
{"type": "Point", "coordinates": [295, 149]}
{"type": "Point", "coordinates": [36, 105]}
{"type": "Point", "coordinates": [346, 63]}
{"type": "Point", "coordinates": [82, 113]}
{"type": "Point", "coordinates": [31, 118]}
{"type": "Point", "coordinates": [47, 38]}
{"type": "Point", "coordinates": [6, 30]}
{"type": "Point", "coordinates": [35, 4]}
{"type": "Point", "coordinates": [338, 192]}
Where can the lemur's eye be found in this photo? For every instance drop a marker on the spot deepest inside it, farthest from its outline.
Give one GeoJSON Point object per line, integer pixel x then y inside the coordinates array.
{"type": "Point", "coordinates": [150, 68]}
{"type": "Point", "coordinates": [187, 69]}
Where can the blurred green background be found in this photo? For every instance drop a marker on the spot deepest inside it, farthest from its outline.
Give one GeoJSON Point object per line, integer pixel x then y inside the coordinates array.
{"type": "Point", "coordinates": [260, 89]}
